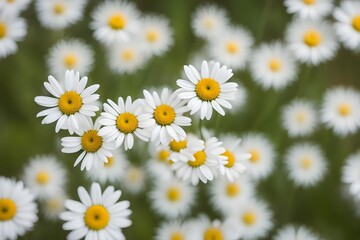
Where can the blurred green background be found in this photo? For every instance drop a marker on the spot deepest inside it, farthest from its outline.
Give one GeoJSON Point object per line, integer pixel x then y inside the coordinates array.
{"type": "Point", "coordinates": [323, 208]}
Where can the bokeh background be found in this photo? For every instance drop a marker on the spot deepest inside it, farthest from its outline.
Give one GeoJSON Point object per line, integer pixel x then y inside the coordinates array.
{"type": "Point", "coordinates": [323, 208]}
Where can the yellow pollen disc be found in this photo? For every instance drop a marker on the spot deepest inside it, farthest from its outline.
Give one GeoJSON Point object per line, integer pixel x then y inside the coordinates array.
{"type": "Point", "coordinates": [70, 102]}
{"type": "Point", "coordinates": [176, 146]}
{"type": "Point", "coordinates": [344, 109]}
{"type": "Point", "coordinates": [3, 30]}
{"type": "Point", "coordinates": [309, 2]}
{"type": "Point", "coordinates": [306, 163]}
{"type": "Point", "coordinates": [96, 217]}
{"type": "Point", "coordinates": [356, 23]}
{"type": "Point", "coordinates": [134, 175]}
{"type": "Point", "coordinates": [128, 55]}
{"type": "Point", "coordinates": [213, 233]}
{"type": "Point", "coordinates": [152, 35]}
{"type": "Point", "coordinates": [232, 189]}
{"type": "Point", "coordinates": [208, 23]}
{"type": "Point", "coordinates": [70, 61]}
{"type": "Point", "coordinates": [10, 1]}
{"type": "Point", "coordinates": [164, 115]}
{"type": "Point", "coordinates": [255, 155]}
{"type": "Point", "coordinates": [127, 122]}
{"type": "Point", "coordinates": [110, 162]}
{"type": "Point", "coordinates": [249, 218]}
{"type": "Point", "coordinates": [117, 21]}
{"type": "Point", "coordinates": [173, 194]}
{"type": "Point", "coordinates": [177, 236]}
{"type": "Point", "coordinates": [300, 117]}
{"type": "Point", "coordinates": [59, 8]}
{"type": "Point", "coordinates": [53, 204]}
{"type": "Point", "coordinates": [91, 141]}
{"type": "Point", "coordinates": [7, 209]}
{"type": "Point", "coordinates": [231, 158]}
{"type": "Point", "coordinates": [163, 155]}
{"type": "Point", "coordinates": [312, 38]}
{"type": "Point", "coordinates": [207, 89]}
{"type": "Point", "coordinates": [274, 65]}
{"type": "Point", "coordinates": [200, 158]}
{"type": "Point", "coordinates": [42, 178]}
{"type": "Point", "coordinates": [232, 47]}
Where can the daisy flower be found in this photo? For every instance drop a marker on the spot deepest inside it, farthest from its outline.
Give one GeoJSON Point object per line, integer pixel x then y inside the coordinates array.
{"type": "Point", "coordinates": [156, 34]}
{"type": "Point", "coordinates": [53, 206]}
{"type": "Point", "coordinates": [172, 230]}
{"type": "Point", "coordinates": [311, 42]}
{"type": "Point", "coordinates": [95, 151]}
{"type": "Point", "coordinates": [18, 210]}
{"type": "Point", "coordinates": [112, 171]}
{"type": "Point", "coordinates": [273, 66]}
{"type": "Point", "coordinates": [207, 90]}
{"type": "Point", "coordinates": [206, 163]}
{"type": "Point", "coordinates": [114, 21]}
{"type": "Point", "coordinates": [299, 118]}
{"type": "Point", "coordinates": [347, 24]}
{"type": "Point", "coordinates": [290, 232]}
{"type": "Point", "coordinates": [183, 150]}
{"type": "Point", "coordinates": [71, 103]}
{"type": "Point", "coordinates": [208, 21]}
{"type": "Point", "coordinates": [159, 164]}
{"type": "Point", "coordinates": [232, 47]}
{"type": "Point", "coordinates": [12, 30]}
{"type": "Point", "coordinates": [351, 173]}
{"type": "Point", "coordinates": [166, 111]}
{"type": "Point", "coordinates": [341, 110]}
{"type": "Point", "coordinates": [98, 215]}
{"type": "Point", "coordinates": [44, 176]}
{"type": "Point", "coordinates": [311, 9]}
{"type": "Point", "coordinates": [68, 55]}
{"type": "Point", "coordinates": [133, 181]}
{"type": "Point", "coordinates": [123, 120]}
{"type": "Point", "coordinates": [306, 164]}
{"type": "Point", "coordinates": [13, 7]}
{"type": "Point", "coordinates": [172, 198]}
{"type": "Point", "coordinates": [59, 14]}
{"type": "Point", "coordinates": [262, 152]}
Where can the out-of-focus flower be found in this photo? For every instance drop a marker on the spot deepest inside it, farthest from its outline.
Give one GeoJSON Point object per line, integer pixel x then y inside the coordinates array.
{"type": "Point", "coordinates": [13, 7]}
{"type": "Point", "coordinates": [309, 9]}
{"type": "Point", "coordinates": [290, 232]}
{"type": "Point", "coordinates": [173, 230]}
{"type": "Point", "coordinates": [133, 181]}
{"type": "Point", "coordinates": [53, 206]}
{"type": "Point", "coordinates": [351, 173]}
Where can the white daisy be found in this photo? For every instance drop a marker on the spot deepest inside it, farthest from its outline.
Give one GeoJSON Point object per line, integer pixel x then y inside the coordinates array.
{"type": "Point", "coordinates": [312, 9]}
{"type": "Point", "coordinates": [71, 103]}
{"type": "Point", "coordinates": [306, 164]}
{"type": "Point", "coordinates": [12, 30]}
{"type": "Point", "coordinates": [172, 230]}
{"type": "Point", "coordinates": [290, 232]}
{"type": "Point", "coordinates": [156, 34]}
{"type": "Point", "coordinates": [112, 171]}
{"type": "Point", "coordinates": [166, 111]}
{"type": "Point", "coordinates": [273, 66]}
{"type": "Point", "coordinates": [172, 198]}
{"type": "Point", "coordinates": [341, 110]}
{"type": "Point", "coordinates": [70, 55]}
{"type": "Point", "coordinates": [114, 22]}
{"type": "Point", "coordinates": [98, 215]}
{"type": "Point", "coordinates": [159, 164]}
{"type": "Point", "coordinates": [262, 158]}
{"type": "Point", "coordinates": [232, 47]}
{"type": "Point", "coordinates": [59, 14]}
{"type": "Point", "coordinates": [124, 120]}
{"type": "Point", "coordinates": [311, 42]}
{"type": "Point", "coordinates": [13, 7]}
{"type": "Point", "coordinates": [208, 89]}
{"type": "Point", "coordinates": [44, 176]}
{"type": "Point", "coordinates": [351, 173]}
{"type": "Point", "coordinates": [299, 118]}
{"type": "Point", "coordinates": [184, 149]}
{"type": "Point", "coordinates": [95, 151]}
{"type": "Point", "coordinates": [347, 24]}
{"type": "Point", "coordinates": [53, 206]}
{"type": "Point", "coordinates": [206, 163]}
{"type": "Point", "coordinates": [133, 181]}
{"type": "Point", "coordinates": [208, 21]}
{"type": "Point", "coordinates": [18, 210]}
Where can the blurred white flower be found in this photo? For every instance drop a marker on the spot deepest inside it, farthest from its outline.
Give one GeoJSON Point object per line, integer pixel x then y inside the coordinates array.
{"type": "Point", "coordinates": [290, 232]}
{"type": "Point", "coordinates": [133, 181]}
{"type": "Point", "coordinates": [310, 9]}
{"type": "Point", "coordinates": [53, 206]}
{"type": "Point", "coordinates": [13, 7]}
{"type": "Point", "coordinates": [173, 230]}
{"type": "Point", "coordinates": [351, 173]}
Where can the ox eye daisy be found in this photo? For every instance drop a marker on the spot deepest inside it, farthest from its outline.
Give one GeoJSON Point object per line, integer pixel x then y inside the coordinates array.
{"type": "Point", "coordinates": [291, 232]}
{"type": "Point", "coordinates": [70, 105]}
{"type": "Point", "coordinates": [160, 162]}
{"type": "Point", "coordinates": [208, 89]}
{"type": "Point", "coordinates": [53, 206]}
{"type": "Point", "coordinates": [133, 181]}
{"type": "Point", "coordinates": [13, 7]}
{"type": "Point", "coordinates": [172, 230]}
{"type": "Point", "coordinates": [98, 215]}
{"type": "Point", "coordinates": [310, 9]}
{"type": "Point", "coordinates": [351, 173]}
{"type": "Point", "coordinates": [184, 149]}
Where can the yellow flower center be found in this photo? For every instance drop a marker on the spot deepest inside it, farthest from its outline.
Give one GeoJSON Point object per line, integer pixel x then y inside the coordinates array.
{"type": "Point", "coordinates": [173, 194]}
{"type": "Point", "coordinates": [176, 146]}
{"type": "Point", "coordinates": [152, 35]}
{"type": "Point", "coordinates": [249, 218]}
{"type": "Point", "coordinates": [70, 102]}
{"type": "Point", "coordinates": [208, 23]}
{"type": "Point", "coordinates": [127, 122]}
{"type": "Point", "coordinates": [164, 115]}
{"type": "Point", "coordinates": [306, 163]}
{"type": "Point", "coordinates": [163, 155]}
{"type": "Point", "coordinates": [10, 1]}
{"type": "Point", "coordinates": [356, 23]}
{"type": "Point", "coordinates": [177, 236]}
{"type": "Point", "coordinates": [3, 30]}
{"type": "Point", "coordinates": [232, 189]}
{"type": "Point", "coordinates": [274, 65]}
{"type": "Point", "coordinates": [344, 109]}
{"type": "Point", "coordinates": [96, 217]}
{"type": "Point", "coordinates": [59, 8]}
{"type": "Point", "coordinates": [309, 2]}
{"type": "Point", "coordinates": [117, 21]}
{"type": "Point", "coordinates": [213, 233]}
{"type": "Point", "coordinates": [232, 47]}
{"type": "Point", "coordinates": [70, 61]}
{"type": "Point", "coordinates": [91, 141]}
{"type": "Point", "coordinates": [200, 158]}
{"type": "Point", "coordinates": [255, 155]}
{"type": "Point", "coordinates": [231, 158]}
{"type": "Point", "coordinates": [300, 117]}
{"type": "Point", "coordinates": [42, 178]}
{"type": "Point", "coordinates": [312, 38]}
{"type": "Point", "coordinates": [128, 55]}
{"type": "Point", "coordinates": [110, 162]}
{"type": "Point", "coordinates": [7, 209]}
{"type": "Point", "coordinates": [134, 175]}
{"type": "Point", "coordinates": [53, 204]}
{"type": "Point", "coordinates": [207, 89]}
